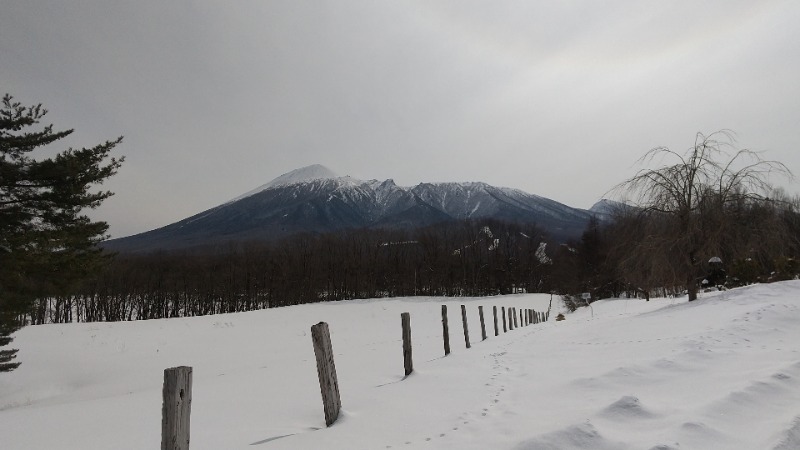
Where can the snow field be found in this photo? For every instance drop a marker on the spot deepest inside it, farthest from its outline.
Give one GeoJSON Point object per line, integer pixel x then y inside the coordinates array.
{"type": "Point", "coordinates": [721, 372]}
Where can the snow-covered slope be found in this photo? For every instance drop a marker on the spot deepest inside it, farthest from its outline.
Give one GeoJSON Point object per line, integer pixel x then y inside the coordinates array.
{"type": "Point", "coordinates": [719, 373]}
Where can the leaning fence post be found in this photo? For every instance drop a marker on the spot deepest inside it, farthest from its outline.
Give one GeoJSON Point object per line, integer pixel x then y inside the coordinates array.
{"type": "Point", "coordinates": [483, 326]}
{"type": "Point", "coordinates": [326, 371]}
{"type": "Point", "coordinates": [176, 408]}
{"type": "Point", "coordinates": [494, 311]}
{"type": "Point", "coordinates": [445, 331]}
{"type": "Point", "coordinates": [464, 319]}
{"type": "Point", "coordinates": [405, 318]}
{"type": "Point", "coordinates": [505, 328]}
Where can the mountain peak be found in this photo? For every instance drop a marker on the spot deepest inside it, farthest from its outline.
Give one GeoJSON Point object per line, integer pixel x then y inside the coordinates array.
{"type": "Point", "coordinates": [308, 173]}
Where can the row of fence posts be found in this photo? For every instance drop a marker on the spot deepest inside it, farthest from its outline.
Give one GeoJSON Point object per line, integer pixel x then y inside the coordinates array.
{"type": "Point", "coordinates": [177, 391]}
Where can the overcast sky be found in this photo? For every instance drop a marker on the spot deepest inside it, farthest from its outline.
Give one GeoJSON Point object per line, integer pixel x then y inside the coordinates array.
{"type": "Point", "coordinates": [557, 98]}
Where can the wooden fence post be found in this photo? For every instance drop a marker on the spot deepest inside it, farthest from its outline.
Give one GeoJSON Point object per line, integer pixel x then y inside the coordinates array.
{"type": "Point", "coordinates": [176, 408]}
{"type": "Point", "coordinates": [464, 319]}
{"type": "Point", "coordinates": [326, 371]}
{"type": "Point", "coordinates": [516, 325]}
{"type": "Point", "coordinates": [494, 311]}
{"type": "Point", "coordinates": [445, 331]}
{"type": "Point", "coordinates": [505, 328]}
{"type": "Point", "coordinates": [405, 318]}
{"type": "Point", "coordinates": [483, 326]}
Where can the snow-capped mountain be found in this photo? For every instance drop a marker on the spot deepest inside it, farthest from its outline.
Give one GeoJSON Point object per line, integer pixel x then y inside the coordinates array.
{"type": "Point", "coordinates": [315, 200]}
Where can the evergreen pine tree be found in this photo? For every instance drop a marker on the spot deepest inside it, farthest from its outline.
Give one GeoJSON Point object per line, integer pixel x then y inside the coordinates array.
{"type": "Point", "coordinates": [46, 243]}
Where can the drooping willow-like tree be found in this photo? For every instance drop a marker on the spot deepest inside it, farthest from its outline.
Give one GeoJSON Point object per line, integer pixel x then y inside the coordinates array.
{"type": "Point", "coordinates": [691, 209]}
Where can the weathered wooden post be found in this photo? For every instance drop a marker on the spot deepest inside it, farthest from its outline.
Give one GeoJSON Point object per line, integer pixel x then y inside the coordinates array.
{"type": "Point", "coordinates": [494, 311]}
{"type": "Point", "coordinates": [445, 331]}
{"type": "Point", "coordinates": [516, 325]}
{"type": "Point", "coordinates": [511, 318]}
{"type": "Point", "coordinates": [483, 326]}
{"type": "Point", "coordinates": [405, 318]}
{"type": "Point", "coordinates": [464, 320]}
{"type": "Point", "coordinates": [326, 371]}
{"type": "Point", "coordinates": [505, 328]}
{"type": "Point", "coordinates": [176, 408]}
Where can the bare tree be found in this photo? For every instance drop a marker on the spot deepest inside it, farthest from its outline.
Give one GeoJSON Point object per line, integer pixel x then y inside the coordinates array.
{"type": "Point", "coordinates": [688, 205]}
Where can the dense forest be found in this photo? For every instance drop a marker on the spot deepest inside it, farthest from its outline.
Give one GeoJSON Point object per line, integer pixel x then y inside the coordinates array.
{"type": "Point", "coordinates": [469, 258]}
{"type": "Point", "coordinates": [452, 259]}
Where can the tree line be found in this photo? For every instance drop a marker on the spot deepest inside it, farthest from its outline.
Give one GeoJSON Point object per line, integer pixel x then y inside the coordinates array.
{"type": "Point", "coordinates": [638, 252]}
{"type": "Point", "coordinates": [468, 258]}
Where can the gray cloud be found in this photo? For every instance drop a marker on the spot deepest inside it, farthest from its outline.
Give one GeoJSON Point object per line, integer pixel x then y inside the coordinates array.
{"type": "Point", "coordinates": [555, 98]}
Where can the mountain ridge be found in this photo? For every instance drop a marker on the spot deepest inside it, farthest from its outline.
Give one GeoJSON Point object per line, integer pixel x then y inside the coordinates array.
{"type": "Point", "coordinates": [314, 199]}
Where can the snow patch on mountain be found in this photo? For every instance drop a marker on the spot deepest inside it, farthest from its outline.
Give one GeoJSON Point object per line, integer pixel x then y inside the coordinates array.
{"type": "Point", "coordinates": [605, 208]}
{"type": "Point", "coordinates": [301, 175]}
{"type": "Point", "coordinates": [308, 173]}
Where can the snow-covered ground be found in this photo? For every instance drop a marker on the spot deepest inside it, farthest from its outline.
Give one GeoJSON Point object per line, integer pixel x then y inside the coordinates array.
{"type": "Point", "coordinates": [721, 372]}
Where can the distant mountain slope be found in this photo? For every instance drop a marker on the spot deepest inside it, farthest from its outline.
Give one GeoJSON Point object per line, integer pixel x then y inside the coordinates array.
{"type": "Point", "coordinates": [314, 200]}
